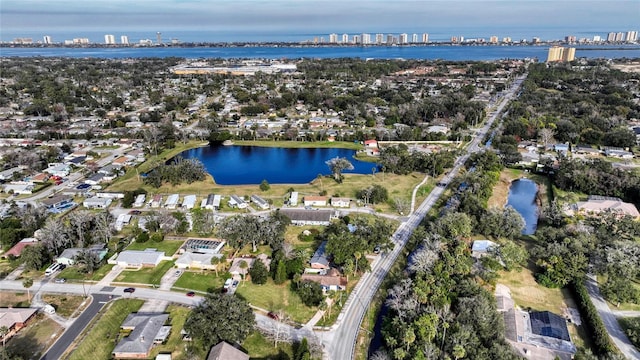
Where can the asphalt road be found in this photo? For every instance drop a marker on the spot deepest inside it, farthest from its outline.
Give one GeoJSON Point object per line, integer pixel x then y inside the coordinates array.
{"type": "Point", "coordinates": [610, 322]}
{"type": "Point", "coordinates": [340, 343]}
{"type": "Point", "coordinates": [70, 334]}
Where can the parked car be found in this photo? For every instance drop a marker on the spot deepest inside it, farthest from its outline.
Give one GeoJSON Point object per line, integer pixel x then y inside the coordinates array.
{"type": "Point", "coordinates": [129, 290]}
{"type": "Point", "coordinates": [191, 294]}
{"type": "Point", "coordinates": [60, 280]}
{"type": "Point", "coordinates": [228, 283]}
{"type": "Point", "coordinates": [135, 212]}
{"type": "Point", "coordinates": [235, 283]}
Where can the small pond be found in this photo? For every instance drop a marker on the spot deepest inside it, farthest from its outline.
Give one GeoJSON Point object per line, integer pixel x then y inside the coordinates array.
{"type": "Point", "coordinates": [522, 197]}
{"type": "Point", "coordinates": [242, 165]}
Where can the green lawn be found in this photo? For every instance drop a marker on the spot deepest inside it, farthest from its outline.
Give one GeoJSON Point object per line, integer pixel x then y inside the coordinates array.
{"type": "Point", "coordinates": [101, 338]}
{"type": "Point", "coordinates": [274, 297]}
{"type": "Point", "coordinates": [151, 276]}
{"type": "Point", "coordinates": [73, 273]}
{"type": "Point", "coordinates": [200, 281]}
{"type": "Point", "coordinates": [168, 246]}
{"type": "Point", "coordinates": [258, 347]}
{"type": "Point", "coordinates": [31, 342]}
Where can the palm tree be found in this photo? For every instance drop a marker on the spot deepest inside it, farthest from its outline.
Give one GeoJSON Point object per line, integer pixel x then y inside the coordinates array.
{"type": "Point", "coordinates": [356, 255]}
{"type": "Point", "coordinates": [27, 283]}
{"type": "Point", "coordinates": [243, 265]}
{"type": "Point", "coordinates": [215, 261]}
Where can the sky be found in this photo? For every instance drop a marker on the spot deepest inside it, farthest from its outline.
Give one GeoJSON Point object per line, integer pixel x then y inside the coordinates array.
{"type": "Point", "coordinates": [314, 16]}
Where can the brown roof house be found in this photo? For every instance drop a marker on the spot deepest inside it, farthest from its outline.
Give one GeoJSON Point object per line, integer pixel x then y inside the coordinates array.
{"type": "Point", "coordinates": [331, 281]}
{"type": "Point", "coordinates": [15, 319]}
{"type": "Point", "coordinates": [224, 351]}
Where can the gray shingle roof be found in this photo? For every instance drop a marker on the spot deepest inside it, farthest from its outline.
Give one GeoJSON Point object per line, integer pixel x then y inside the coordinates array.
{"type": "Point", "coordinates": [145, 328]}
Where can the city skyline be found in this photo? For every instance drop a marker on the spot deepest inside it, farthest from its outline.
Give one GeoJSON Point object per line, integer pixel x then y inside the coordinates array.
{"type": "Point", "coordinates": [264, 18]}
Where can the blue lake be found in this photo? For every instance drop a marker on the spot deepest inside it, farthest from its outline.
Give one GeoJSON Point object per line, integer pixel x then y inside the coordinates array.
{"type": "Point", "coordinates": [242, 165]}
{"type": "Point", "coordinates": [522, 197]}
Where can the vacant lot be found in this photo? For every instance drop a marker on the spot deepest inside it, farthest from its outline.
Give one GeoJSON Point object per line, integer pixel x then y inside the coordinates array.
{"type": "Point", "coordinates": [14, 299]}
{"type": "Point", "coordinates": [66, 305]}
{"type": "Point", "coordinates": [261, 348]}
{"type": "Point", "coordinates": [74, 273]}
{"type": "Point", "coordinates": [102, 336]}
{"type": "Point", "coordinates": [274, 297]}
{"type": "Point", "coordinates": [150, 276]}
{"type": "Point", "coordinates": [200, 281]}
{"type": "Point", "coordinates": [32, 341]}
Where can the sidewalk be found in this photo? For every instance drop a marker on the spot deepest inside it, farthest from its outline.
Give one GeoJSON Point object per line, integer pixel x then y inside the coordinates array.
{"type": "Point", "coordinates": [111, 276]}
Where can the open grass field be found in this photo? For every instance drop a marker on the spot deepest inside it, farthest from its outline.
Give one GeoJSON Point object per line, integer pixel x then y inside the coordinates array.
{"type": "Point", "coordinates": [66, 305]}
{"type": "Point", "coordinates": [32, 342]}
{"type": "Point", "coordinates": [101, 337]}
{"type": "Point", "coordinates": [274, 297]}
{"type": "Point", "coordinates": [150, 276]}
{"type": "Point", "coordinates": [14, 299]}
{"type": "Point", "coordinates": [528, 294]}
{"type": "Point", "coordinates": [258, 347]}
{"type": "Point", "coordinates": [73, 273]}
{"type": "Point", "coordinates": [201, 281]}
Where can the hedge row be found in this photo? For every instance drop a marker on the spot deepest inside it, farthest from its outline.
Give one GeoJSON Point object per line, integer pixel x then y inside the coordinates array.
{"type": "Point", "coordinates": [601, 342]}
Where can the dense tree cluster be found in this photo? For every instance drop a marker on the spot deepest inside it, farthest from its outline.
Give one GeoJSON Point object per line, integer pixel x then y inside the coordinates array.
{"type": "Point", "coordinates": [220, 317]}
{"type": "Point", "coordinates": [597, 177]}
{"type": "Point", "coordinates": [240, 231]}
{"type": "Point", "coordinates": [399, 160]}
{"type": "Point", "coordinates": [589, 105]}
{"type": "Point", "coordinates": [177, 172]}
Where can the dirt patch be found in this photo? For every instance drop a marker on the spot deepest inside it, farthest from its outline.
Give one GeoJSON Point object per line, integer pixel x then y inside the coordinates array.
{"type": "Point", "coordinates": [14, 299]}
{"type": "Point", "coordinates": [501, 191]}
{"type": "Point", "coordinates": [633, 68]}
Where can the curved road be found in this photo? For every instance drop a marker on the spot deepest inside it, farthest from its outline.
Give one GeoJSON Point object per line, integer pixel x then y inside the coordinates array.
{"type": "Point", "coordinates": [342, 340]}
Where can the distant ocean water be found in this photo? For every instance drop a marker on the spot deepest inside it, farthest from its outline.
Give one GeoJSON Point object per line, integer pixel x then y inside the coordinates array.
{"type": "Point", "coordinates": [444, 52]}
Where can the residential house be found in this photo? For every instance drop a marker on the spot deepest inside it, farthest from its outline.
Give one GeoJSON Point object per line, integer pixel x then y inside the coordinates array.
{"type": "Point", "coordinates": [139, 258]}
{"type": "Point", "coordinates": [146, 330]}
{"type": "Point", "coordinates": [172, 201]}
{"type": "Point", "coordinates": [94, 179]}
{"type": "Point", "coordinates": [371, 143]}
{"type": "Point", "coordinates": [156, 201]}
{"type": "Point", "coordinates": [236, 269]}
{"type": "Point", "coordinates": [68, 256]}
{"type": "Point", "coordinates": [108, 170]}
{"type": "Point", "coordinates": [315, 201]}
{"type": "Point", "coordinates": [122, 221]}
{"type": "Point", "coordinates": [224, 351]}
{"type": "Point", "coordinates": [562, 149]}
{"type": "Point", "coordinates": [319, 260]}
{"type": "Point", "coordinates": [212, 202]}
{"type": "Point", "coordinates": [60, 170]}
{"type": "Point", "coordinates": [205, 246]}
{"type": "Point", "coordinates": [259, 202]}
{"type": "Point", "coordinates": [308, 217]}
{"type": "Point", "coordinates": [40, 178]}
{"type": "Point", "coordinates": [189, 202]}
{"type": "Point", "coordinates": [293, 199]}
{"type": "Point", "coordinates": [16, 250]}
{"type": "Point", "coordinates": [120, 162]}
{"type": "Point", "coordinates": [19, 188]}
{"type": "Point", "coordinates": [481, 248]}
{"type": "Point", "coordinates": [8, 174]}
{"type": "Point", "coordinates": [236, 201]}
{"type": "Point", "coordinates": [589, 150]}
{"type": "Point", "coordinates": [139, 202]}
{"type": "Point", "coordinates": [331, 281]}
{"type": "Point", "coordinates": [596, 204]}
{"type": "Point", "coordinates": [618, 153]}
{"type": "Point", "coordinates": [96, 203]}
{"type": "Point", "coordinates": [193, 260]}
{"type": "Point", "coordinates": [57, 202]}
{"type": "Point", "coordinates": [340, 202]}
{"type": "Point", "coordinates": [15, 319]}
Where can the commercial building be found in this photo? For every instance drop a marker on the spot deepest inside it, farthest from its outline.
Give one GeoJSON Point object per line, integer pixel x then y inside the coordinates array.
{"type": "Point", "coordinates": [561, 54]}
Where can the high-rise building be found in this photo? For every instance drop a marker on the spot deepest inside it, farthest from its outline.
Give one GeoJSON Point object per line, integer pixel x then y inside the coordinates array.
{"type": "Point", "coordinates": [597, 38]}
{"type": "Point", "coordinates": [620, 36]}
{"type": "Point", "coordinates": [345, 38]}
{"type": "Point", "coordinates": [159, 37]}
{"type": "Point", "coordinates": [124, 40]}
{"type": "Point", "coordinates": [414, 38]}
{"type": "Point", "coordinates": [404, 38]}
{"type": "Point", "coordinates": [611, 36]}
{"type": "Point", "coordinates": [379, 38]}
{"type": "Point", "coordinates": [391, 39]}
{"type": "Point", "coordinates": [570, 39]}
{"type": "Point", "coordinates": [506, 39]}
{"type": "Point", "coordinates": [632, 36]}
{"type": "Point", "coordinates": [333, 38]}
{"type": "Point", "coordinates": [109, 39]}
{"type": "Point", "coordinates": [366, 38]}
{"type": "Point", "coordinates": [425, 38]}
{"type": "Point", "coordinates": [357, 39]}
{"type": "Point", "coordinates": [454, 39]}
{"type": "Point", "coordinates": [493, 39]}
{"type": "Point", "coordinates": [535, 40]}
{"type": "Point", "coordinates": [47, 39]}
{"type": "Point", "coordinates": [558, 53]}
{"type": "Point", "coordinates": [81, 41]}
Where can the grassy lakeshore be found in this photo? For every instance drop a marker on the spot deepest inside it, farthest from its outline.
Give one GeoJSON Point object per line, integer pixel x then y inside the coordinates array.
{"type": "Point", "coordinates": [301, 144]}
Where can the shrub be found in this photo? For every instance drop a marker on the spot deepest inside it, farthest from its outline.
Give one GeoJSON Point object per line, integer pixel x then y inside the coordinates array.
{"type": "Point", "coordinates": [601, 343]}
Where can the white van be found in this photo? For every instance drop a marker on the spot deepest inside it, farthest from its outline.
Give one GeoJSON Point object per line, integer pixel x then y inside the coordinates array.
{"type": "Point", "coordinates": [52, 269]}
{"type": "Point", "coordinates": [228, 283]}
